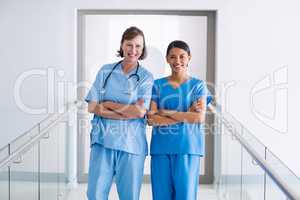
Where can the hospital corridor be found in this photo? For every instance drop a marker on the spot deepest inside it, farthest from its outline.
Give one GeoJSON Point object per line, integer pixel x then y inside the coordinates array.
{"type": "Point", "coordinates": [203, 95]}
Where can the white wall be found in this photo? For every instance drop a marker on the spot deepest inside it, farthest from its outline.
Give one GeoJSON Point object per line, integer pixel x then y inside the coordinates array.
{"type": "Point", "coordinates": [38, 35]}
{"type": "Point", "coordinates": [255, 38]}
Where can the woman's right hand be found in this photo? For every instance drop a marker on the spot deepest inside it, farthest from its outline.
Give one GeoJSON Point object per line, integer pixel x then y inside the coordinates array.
{"type": "Point", "coordinates": [139, 102]}
{"type": "Point", "coordinates": [196, 106]}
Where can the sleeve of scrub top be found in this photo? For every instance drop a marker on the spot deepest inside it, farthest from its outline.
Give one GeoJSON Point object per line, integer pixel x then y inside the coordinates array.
{"type": "Point", "coordinates": [155, 91]}
{"type": "Point", "coordinates": [94, 92]}
{"type": "Point", "coordinates": [145, 91]}
{"type": "Point", "coordinates": [202, 91]}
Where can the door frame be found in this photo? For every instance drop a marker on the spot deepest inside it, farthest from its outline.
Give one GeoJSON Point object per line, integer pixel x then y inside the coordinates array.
{"type": "Point", "coordinates": [208, 177]}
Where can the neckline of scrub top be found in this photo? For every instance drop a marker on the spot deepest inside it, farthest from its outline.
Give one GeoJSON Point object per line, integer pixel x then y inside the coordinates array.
{"type": "Point", "coordinates": [175, 88]}
{"type": "Point", "coordinates": [132, 71]}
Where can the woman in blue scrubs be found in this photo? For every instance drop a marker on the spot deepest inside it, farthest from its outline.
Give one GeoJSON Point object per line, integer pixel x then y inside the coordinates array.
{"type": "Point", "coordinates": [119, 99]}
{"type": "Point", "coordinates": [177, 114]}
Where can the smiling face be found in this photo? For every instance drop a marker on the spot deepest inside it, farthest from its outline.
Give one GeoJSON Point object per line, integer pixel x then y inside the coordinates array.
{"type": "Point", "coordinates": [178, 59]}
{"type": "Point", "coordinates": [133, 49]}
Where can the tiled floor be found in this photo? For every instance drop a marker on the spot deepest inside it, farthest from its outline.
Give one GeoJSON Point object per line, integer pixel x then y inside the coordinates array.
{"type": "Point", "coordinates": [206, 192]}
{"type": "Point", "coordinates": [49, 191]}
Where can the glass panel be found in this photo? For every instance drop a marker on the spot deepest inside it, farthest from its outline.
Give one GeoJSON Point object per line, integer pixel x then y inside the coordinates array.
{"type": "Point", "coordinates": [284, 172]}
{"type": "Point", "coordinates": [222, 189]}
{"type": "Point", "coordinates": [233, 167]}
{"type": "Point", "coordinates": [53, 176]}
{"type": "Point", "coordinates": [4, 184]}
{"type": "Point", "coordinates": [256, 184]}
{"type": "Point", "coordinates": [24, 175]}
{"type": "Point", "coordinates": [253, 178]}
{"type": "Point", "coordinates": [273, 192]}
{"type": "Point", "coordinates": [4, 153]}
{"type": "Point", "coordinates": [4, 175]}
{"type": "Point", "coordinates": [62, 145]}
{"type": "Point", "coordinates": [49, 165]}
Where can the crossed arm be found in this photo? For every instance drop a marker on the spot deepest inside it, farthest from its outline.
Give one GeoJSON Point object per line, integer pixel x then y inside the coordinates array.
{"type": "Point", "coordinates": [162, 117]}
{"type": "Point", "coordinates": [112, 110]}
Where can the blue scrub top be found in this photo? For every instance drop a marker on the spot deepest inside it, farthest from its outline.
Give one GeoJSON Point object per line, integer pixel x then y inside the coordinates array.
{"type": "Point", "coordinates": [179, 138]}
{"type": "Point", "coordinates": [125, 135]}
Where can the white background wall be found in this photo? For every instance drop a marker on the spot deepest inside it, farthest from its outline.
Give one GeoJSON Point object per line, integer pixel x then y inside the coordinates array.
{"type": "Point", "coordinates": [255, 38]}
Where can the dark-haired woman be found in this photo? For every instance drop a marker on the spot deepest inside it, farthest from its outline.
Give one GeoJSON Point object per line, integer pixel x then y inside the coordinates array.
{"type": "Point", "coordinates": [177, 113]}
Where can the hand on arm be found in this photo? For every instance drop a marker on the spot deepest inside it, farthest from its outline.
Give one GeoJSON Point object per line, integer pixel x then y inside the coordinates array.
{"type": "Point", "coordinates": [195, 114]}
{"type": "Point", "coordinates": [129, 111]}
{"type": "Point", "coordinates": [155, 119]}
{"type": "Point", "coordinates": [99, 109]}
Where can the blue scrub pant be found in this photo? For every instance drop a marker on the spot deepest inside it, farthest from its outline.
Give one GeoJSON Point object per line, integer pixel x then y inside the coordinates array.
{"type": "Point", "coordinates": [175, 177]}
{"type": "Point", "coordinates": [126, 168]}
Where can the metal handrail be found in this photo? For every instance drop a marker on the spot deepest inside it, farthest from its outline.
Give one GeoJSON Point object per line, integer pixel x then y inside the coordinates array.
{"type": "Point", "coordinates": [280, 182]}
{"type": "Point", "coordinates": [22, 149]}
{"type": "Point", "coordinates": [29, 130]}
